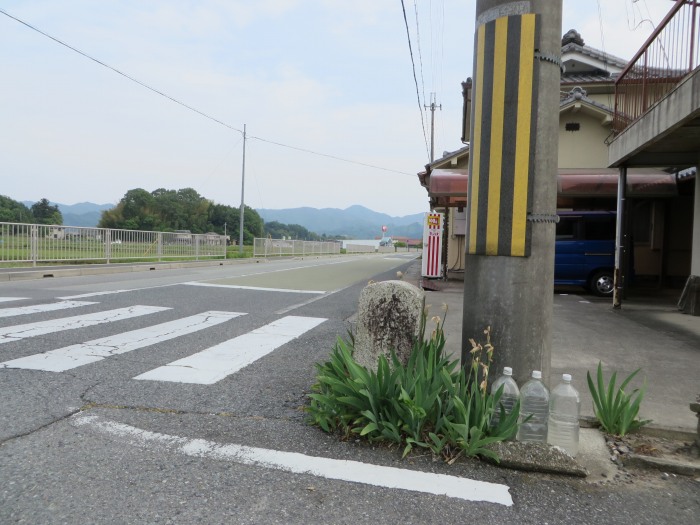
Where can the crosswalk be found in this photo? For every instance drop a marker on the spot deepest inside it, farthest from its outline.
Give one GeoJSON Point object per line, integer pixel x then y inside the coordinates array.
{"type": "Point", "coordinates": [205, 367]}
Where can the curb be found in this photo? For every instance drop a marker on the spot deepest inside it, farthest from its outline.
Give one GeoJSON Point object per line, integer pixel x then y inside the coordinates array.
{"type": "Point", "coordinates": [664, 465]}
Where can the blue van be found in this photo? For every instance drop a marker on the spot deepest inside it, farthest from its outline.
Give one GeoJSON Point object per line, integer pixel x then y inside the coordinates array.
{"type": "Point", "coordinates": [584, 253]}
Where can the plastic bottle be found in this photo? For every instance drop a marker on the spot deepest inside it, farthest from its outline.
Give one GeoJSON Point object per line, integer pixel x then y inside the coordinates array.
{"type": "Point", "coordinates": [564, 408]}
{"type": "Point", "coordinates": [534, 399]}
{"type": "Point", "coordinates": [510, 394]}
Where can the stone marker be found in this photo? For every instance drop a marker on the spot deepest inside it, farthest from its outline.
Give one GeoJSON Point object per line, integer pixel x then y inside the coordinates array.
{"type": "Point", "coordinates": [389, 317]}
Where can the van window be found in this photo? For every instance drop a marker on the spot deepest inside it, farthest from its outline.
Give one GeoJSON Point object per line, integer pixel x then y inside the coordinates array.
{"type": "Point", "coordinates": [600, 229]}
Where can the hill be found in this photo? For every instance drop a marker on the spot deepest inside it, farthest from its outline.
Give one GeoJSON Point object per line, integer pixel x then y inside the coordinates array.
{"type": "Point", "coordinates": [85, 214]}
{"type": "Point", "coordinates": [355, 222]}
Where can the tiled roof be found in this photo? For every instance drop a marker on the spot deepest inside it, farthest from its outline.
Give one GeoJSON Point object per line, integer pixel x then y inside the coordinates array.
{"type": "Point", "coordinates": [588, 79]}
{"type": "Point", "coordinates": [594, 53]}
{"type": "Point", "coordinates": [580, 94]}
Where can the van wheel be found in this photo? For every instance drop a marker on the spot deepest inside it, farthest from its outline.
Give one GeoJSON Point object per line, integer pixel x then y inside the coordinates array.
{"type": "Point", "coordinates": [602, 283]}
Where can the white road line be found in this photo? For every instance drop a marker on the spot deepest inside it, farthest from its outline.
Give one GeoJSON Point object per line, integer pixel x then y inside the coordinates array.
{"type": "Point", "coordinates": [39, 308]}
{"type": "Point", "coordinates": [215, 363]}
{"type": "Point", "coordinates": [23, 331]}
{"type": "Point", "coordinates": [93, 294]}
{"type": "Point", "coordinates": [73, 356]}
{"type": "Point", "coordinates": [295, 463]}
{"type": "Point", "coordinates": [260, 288]}
{"type": "Point", "coordinates": [8, 299]}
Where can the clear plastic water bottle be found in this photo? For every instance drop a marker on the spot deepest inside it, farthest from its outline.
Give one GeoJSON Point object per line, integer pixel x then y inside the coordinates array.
{"type": "Point", "coordinates": [534, 399]}
{"type": "Point", "coordinates": [510, 394]}
{"type": "Point", "coordinates": [564, 408]}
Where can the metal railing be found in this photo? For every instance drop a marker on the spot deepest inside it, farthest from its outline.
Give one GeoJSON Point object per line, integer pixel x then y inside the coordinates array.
{"type": "Point", "coordinates": [665, 59]}
{"type": "Point", "coordinates": [282, 247]}
{"type": "Point", "coordinates": [39, 243]}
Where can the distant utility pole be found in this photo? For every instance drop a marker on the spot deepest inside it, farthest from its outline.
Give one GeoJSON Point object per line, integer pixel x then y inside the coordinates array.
{"type": "Point", "coordinates": [242, 212]}
{"type": "Point", "coordinates": [512, 195]}
{"type": "Point", "coordinates": [432, 107]}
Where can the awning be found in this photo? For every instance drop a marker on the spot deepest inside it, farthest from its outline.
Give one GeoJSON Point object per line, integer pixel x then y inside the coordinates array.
{"type": "Point", "coordinates": [603, 183]}
{"type": "Point", "coordinates": [448, 188]}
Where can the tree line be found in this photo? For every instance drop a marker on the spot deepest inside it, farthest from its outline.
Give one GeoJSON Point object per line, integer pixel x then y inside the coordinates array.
{"type": "Point", "coordinates": [41, 212]}
{"type": "Point", "coordinates": [165, 210]}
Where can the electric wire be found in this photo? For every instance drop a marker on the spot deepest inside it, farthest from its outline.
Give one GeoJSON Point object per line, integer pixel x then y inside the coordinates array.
{"type": "Point", "coordinates": [329, 156]}
{"type": "Point", "coordinates": [420, 54]}
{"type": "Point", "coordinates": [201, 113]}
{"type": "Point", "coordinates": [415, 79]}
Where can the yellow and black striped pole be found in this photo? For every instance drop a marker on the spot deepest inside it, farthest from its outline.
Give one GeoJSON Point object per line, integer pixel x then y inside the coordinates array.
{"type": "Point", "coordinates": [511, 200]}
{"type": "Point", "coordinates": [500, 180]}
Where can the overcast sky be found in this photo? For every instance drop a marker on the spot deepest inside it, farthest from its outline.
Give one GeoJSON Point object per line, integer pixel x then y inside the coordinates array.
{"type": "Point", "coordinates": [323, 75]}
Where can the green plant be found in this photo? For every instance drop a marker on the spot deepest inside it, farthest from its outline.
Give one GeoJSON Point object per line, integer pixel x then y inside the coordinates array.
{"type": "Point", "coordinates": [614, 408]}
{"type": "Point", "coordinates": [430, 402]}
{"type": "Point", "coordinates": [473, 409]}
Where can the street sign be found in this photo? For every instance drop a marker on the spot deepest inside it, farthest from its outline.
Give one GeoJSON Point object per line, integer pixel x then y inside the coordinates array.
{"type": "Point", "coordinates": [432, 245]}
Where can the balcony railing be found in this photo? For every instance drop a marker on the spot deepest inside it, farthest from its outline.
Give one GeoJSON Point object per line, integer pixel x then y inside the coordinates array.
{"type": "Point", "coordinates": [665, 59]}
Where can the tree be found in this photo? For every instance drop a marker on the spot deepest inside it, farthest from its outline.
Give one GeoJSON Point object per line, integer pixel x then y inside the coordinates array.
{"type": "Point", "coordinates": [46, 213]}
{"type": "Point", "coordinates": [14, 211]}
{"type": "Point", "coordinates": [184, 209]}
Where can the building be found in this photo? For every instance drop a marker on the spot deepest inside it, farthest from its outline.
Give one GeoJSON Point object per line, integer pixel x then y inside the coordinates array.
{"type": "Point", "coordinates": [660, 203]}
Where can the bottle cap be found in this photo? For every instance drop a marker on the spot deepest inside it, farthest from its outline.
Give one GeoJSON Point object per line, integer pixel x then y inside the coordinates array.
{"type": "Point", "coordinates": [507, 371]}
{"type": "Point", "coordinates": [566, 378]}
{"type": "Point", "coordinates": [537, 374]}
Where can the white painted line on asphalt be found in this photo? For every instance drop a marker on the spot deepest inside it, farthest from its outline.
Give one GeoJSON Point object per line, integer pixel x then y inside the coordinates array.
{"type": "Point", "coordinates": [8, 299]}
{"type": "Point", "coordinates": [215, 363]}
{"type": "Point", "coordinates": [260, 288]}
{"type": "Point", "coordinates": [295, 463]}
{"type": "Point", "coordinates": [39, 308]}
{"type": "Point", "coordinates": [23, 331]}
{"type": "Point", "coordinates": [93, 294]}
{"type": "Point", "coordinates": [288, 309]}
{"type": "Point", "coordinates": [73, 356]}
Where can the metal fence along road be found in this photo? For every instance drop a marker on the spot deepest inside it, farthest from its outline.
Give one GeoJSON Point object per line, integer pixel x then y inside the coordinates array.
{"type": "Point", "coordinates": [282, 247]}
{"type": "Point", "coordinates": [39, 243]}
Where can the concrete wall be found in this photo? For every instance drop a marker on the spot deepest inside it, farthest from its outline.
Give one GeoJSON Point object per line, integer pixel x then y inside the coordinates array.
{"type": "Point", "coordinates": [585, 148]}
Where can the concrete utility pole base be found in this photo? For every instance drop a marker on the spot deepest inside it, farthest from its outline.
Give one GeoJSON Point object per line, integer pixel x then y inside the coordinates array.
{"type": "Point", "coordinates": [514, 294]}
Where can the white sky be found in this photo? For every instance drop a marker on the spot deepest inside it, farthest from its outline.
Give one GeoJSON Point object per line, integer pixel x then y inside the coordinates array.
{"type": "Point", "coordinates": [324, 75]}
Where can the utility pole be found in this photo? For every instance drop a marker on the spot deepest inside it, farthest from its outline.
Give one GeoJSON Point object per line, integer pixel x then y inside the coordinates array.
{"type": "Point", "coordinates": [242, 212]}
{"type": "Point", "coordinates": [509, 262]}
{"type": "Point", "coordinates": [432, 107]}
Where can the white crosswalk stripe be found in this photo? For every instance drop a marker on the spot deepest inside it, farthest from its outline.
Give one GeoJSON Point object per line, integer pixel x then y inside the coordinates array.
{"type": "Point", "coordinates": [74, 356]}
{"type": "Point", "coordinates": [206, 367]}
{"type": "Point", "coordinates": [39, 308]}
{"type": "Point", "coordinates": [23, 331]}
{"type": "Point", "coordinates": [8, 299]}
{"type": "Point", "coordinates": [216, 363]}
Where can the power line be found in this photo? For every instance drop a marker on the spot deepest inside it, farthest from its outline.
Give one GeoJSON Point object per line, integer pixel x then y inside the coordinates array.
{"type": "Point", "coordinates": [201, 113]}
{"type": "Point", "coordinates": [329, 156]}
{"type": "Point", "coordinates": [415, 79]}
{"type": "Point", "coordinates": [119, 72]}
{"type": "Point", "coordinates": [420, 55]}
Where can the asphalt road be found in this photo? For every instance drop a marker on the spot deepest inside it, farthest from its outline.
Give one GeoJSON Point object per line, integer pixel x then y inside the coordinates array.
{"type": "Point", "coordinates": [149, 414]}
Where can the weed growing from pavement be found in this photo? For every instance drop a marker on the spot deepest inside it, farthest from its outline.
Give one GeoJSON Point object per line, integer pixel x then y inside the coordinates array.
{"type": "Point", "coordinates": [428, 403]}
{"type": "Point", "coordinates": [614, 408]}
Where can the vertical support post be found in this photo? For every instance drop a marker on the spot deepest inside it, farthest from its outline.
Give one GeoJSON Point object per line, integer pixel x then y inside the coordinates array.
{"type": "Point", "coordinates": [620, 239]}
{"type": "Point", "coordinates": [509, 262]}
{"type": "Point", "coordinates": [242, 211]}
{"type": "Point", "coordinates": [159, 249]}
{"type": "Point", "coordinates": [695, 251]}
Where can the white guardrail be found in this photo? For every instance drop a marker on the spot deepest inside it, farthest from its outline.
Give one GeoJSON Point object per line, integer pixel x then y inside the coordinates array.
{"type": "Point", "coordinates": [38, 243]}
{"type": "Point", "coordinates": [287, 247]}
{"type": "Point", "coordinates": [282, 247]}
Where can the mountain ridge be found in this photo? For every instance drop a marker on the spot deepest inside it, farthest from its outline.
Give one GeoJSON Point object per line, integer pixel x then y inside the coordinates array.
{"type": "Point", "coordinates": [355, 221]}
